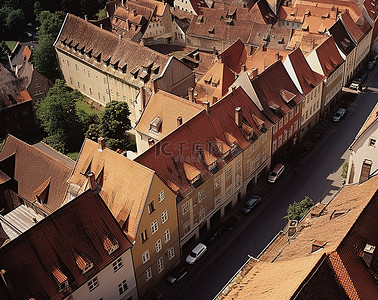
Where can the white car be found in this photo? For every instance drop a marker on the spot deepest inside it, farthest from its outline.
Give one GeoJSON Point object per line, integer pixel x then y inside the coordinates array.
{"type": "Point", "coordinates": [196, 253]}
{"type": "Point", "coordinates": [338, 114]}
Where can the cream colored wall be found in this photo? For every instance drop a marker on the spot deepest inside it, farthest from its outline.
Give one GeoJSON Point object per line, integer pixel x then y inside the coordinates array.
{"type": "Point", "coordinates": [108, 281]}
{"type": "Point", "coordinates": [99, 86]}
{"type": "Point", "coordinates": [334, 84]}
{"type": "Point", "coordinates": [169, 204]}
{"type": "Point", "coordinates": [311, 105]}
{"type": "Point", "coordinates": [161, 27]}
{"type": "Point", "coordinates": [363, 48]}
{"type": "Point", "coordinates": [349, 67]}
{"type": "Point", "coordinates": [184, 5]}
{"type": "Point", "coordinates": [141, 142]}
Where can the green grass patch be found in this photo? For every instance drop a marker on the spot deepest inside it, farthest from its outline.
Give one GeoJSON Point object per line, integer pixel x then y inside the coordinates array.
{"type": "Point", "coordinates": [84, 106]}
{"type": "Point", "coordinates": [11, 44]}
{"type": "Point", "coordinates": [73, 155]}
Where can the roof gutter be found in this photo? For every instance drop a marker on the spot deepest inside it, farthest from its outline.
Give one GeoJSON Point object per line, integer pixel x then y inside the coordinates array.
{"type": "Point", "coordinates": [60, 31]}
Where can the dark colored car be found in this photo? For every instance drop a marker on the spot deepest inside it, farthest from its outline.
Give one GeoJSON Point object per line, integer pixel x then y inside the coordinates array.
{"type": "Point", "coordinates": [251, 203]}
{"type": "Point", "coordinates": [230, 223]}
{"type": "Point", "coordinates": [217, 233]}
{"type": "Point", "coordinates": [177, 273]}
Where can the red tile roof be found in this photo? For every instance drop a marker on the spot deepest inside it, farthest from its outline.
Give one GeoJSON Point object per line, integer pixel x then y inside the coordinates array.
{"type": "Point", "coordinates": [33, 170]}
{"type": "Point", "coordinates": [329, 57]}
{"type": "Point", "coordinates": [234, 56]}
{"type": "Point", "coordinates": [46, 255]}
{"type": "Point", "coordinates": [270, 84]}
{"type": "Point", "coordinates": [26, 53]}
{"type": "Point", "coordinates": [308, 79]}
{"type": "Point", "coordinates": [204, 132]}
{"type": "Point", "coordinates": [341, 37]}
{"type": "Point", "coordinates": [352, 27]}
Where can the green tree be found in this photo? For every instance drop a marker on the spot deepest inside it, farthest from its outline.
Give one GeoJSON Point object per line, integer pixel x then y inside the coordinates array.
{"type": "Point", "coordinates": [44, 57]}
{"type": "Point", "coordinates": [344, 170]}
{"type": "Point", "coordinates": [4, 49]}
{"type": "Point", "coordinates": [101, 14]}
{"type": "Point", "coordinates": [58, 117]}
{"type": "Point", "coordinates": [114, 124]}
{"type": "Point", "coordinates": [297, 210]}
{"type": "Point", "coordinates": [93, 132]}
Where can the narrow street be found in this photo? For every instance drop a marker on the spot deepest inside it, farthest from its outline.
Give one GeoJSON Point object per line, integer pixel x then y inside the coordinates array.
{"type": "Point", "coordinates": [318, 176]}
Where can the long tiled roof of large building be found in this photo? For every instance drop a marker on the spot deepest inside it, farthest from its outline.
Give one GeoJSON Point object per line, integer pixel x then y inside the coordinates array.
{"type": "Point", "coordinates": [108, 52]}
{"type": "Point", "coordinates": [341, 37]}
{"type": "Point", "coordinates": [329, 57]}
{"type": "Point", "coordinates": [184, 158]}
{"type": "Point", "coordinates": [352, 27]}
{"type": "Point", "coordinates": [58, 248]}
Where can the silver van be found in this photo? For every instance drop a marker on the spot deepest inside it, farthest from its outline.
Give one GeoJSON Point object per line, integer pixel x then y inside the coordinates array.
{"type": "Point", "coordinates": [276, 173]}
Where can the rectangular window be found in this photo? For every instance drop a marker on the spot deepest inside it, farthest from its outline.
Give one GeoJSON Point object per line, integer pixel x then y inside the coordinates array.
{"type": "Point", "coordinates": [295, 125]}
{"type": "Point", "coordinates": [238, 164]}
{"type": "Point", "coordinates": [76, 67]}
{"type": "Point", "coordinates": [144, 236]}
{"type": "Point", "coordinates": [372, 142]}
{"type": "Point", "coordinates": [92, 284]}
{"type": "Point", "coordinates": [89, 74]}
{"type": "Point", "coordinates": [158, 245]}
{"type": "Point", "coordinates": [171, 253]}
{"type": "Point", "coordinates": [217, 200]}
{"type": "Point", "coordinates": [291, 130]}
{"type": "Point", "coordinates": [274, 128]}
{"type": "Point", "coordinates": [291, 114]}
{"type": "Point", "coordinates": [164, 216]}
{"type": "Point", "coordinates": [160, 264]}
{"type": "Point", "coordinates": [280, 124]}
{"type": "Point", "coordinates": [280, 141]}
{"type": "Point", "coordinates": [148, 274]}
{"type": "Point", "coordinates": [201, 196]}
{"type": "Point", "coordinates": [202, 214]}
{"type": "Point", "coordinates": [117, 264]}
{"type": "Point", "coordinates": [217, 182]}
{"type": "Point", "coordinates": [151, 206]}
{"type": "Point", "coordinates": [167, 236]}
{"type": "Point", "coordinates": [285, 119]}
{"type": "Point", "coordinates": [37, 85]}
{"type": "Point", "coordinates": [237, 181]}
{"type": "Point", "coordinates": [185, 208]}
{"type": "Point", "coordinates": [146, 256]}
{"type": "Point", "coordinates": [84, 71]}
{"type": "Point", "coordinates": [186, 227]}
{"type": "Point", "coordinates": [161, 196]}
{"type": "Point", "coordinates": [285, 136]}
{"type": "Point", "coordinates": [122, 287]}
{"type": "Point", "coordinates": [154, 226]}
{"type": "Point", "coordinates": [229, 191]}
{"type": "Point", "coordinates": [229, 172]}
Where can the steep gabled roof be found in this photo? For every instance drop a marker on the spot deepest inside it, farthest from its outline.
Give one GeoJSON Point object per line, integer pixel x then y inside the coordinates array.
{"type": "Point", "coordinates": [329, 57]}
{"type": "Point", "coordinates": [170, 157]}
{"type": "Point", "coordinates": [168, 107]}
{"type": "Point", "coordinates": [214, 84]}
{"type": "Point", "coordinates": [55, 249]}
{"type": "Point", "coordinates": [124, 187]}
{"type": "Point", "coordinates": [351, 27]}
{"type": "Point", "coordinates": [269, 86]}
{"type": "Point", "coordinates": [372, 120]}
{"type": "Point", "coordinates": [34, 170]}
{"type": "Point", "coordinates": [304, 75]}
{"type": "Point", "coordinates": [341, 37]}
{"type": "Point", "coordinates": [234, 56]}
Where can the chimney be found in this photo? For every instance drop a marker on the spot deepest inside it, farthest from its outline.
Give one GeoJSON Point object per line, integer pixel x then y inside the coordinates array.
{"type": "Point", "coordinates": [191, 94]}
{"type": "Point", "coordinates": [179, 121]}
{"type": "Point", "coordinates": [101, 144]}
{"type": "Point", "coordinates": [134, 12]}
{"type": "Point", "coordinates": [207, 103]}
{"type": "Point", "coordinates": [86, 18]}
{"type": "Point", "coordinates": [101, 25]}
{"type": "Point", "coordinates": [365, 170]}
{"type": "Point", "coordinates": [255, 72]}
{"type": "Point", "coordinates": [154, 87]}
{"type": "Point", "coordinates": [277, 55]}
{"type": "Point", "coordinates": [92, 181]}
{"type": "Point", "coordinates": [264, 48]}
{"type": "Point", "coordinates": [238, 116]}
{"type": "Point", "coordinates": [368, 253]}
{"type": "Point", "coordinates": [243, 68]}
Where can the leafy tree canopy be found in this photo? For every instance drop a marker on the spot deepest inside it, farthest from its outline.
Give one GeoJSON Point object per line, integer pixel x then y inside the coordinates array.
{"type": "Point", "coordinates": [58, 117]}
{"type": "Point", "coordinates": [297, 210]}
{"type": "Point", "coordinates": [114, 124]}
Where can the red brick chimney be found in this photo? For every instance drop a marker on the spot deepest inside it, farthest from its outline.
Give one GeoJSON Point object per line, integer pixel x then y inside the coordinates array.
{"type": "Point", "coordinates": [238, 116]}
{"type": "Point", "coordinates": [207, 103]}
{"type": "Point", "coordinates": [92, 181]}
{"type": "Point", "coordinates": [191, 94]}
{"type": "Point", "coordinates": [101, 144]}
{"type": "Point", "coordinates": [179, 121]}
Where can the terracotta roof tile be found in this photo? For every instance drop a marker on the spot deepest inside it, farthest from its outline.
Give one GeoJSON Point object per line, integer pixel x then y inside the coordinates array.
{"type": "Point", "coordinates": [234, 56]}
{"type": "Point", "coordinates": [26, 53]}
{"type": "Point", "coordinates": [307, 78]}
{"type": "Point", "coordinates": [44, 256]}
{"type": "Point", "coordinates": [120, 176]}
{"type": "Point", "coordinates": [341, 37]}
{"type": "Point", "coordinates": [352, 27]}
{"type": "Point", "coordinates": [168, 107]}
{"type": "Point", "coordinates": [329, 57]}
{"type": "Point", "coordinates": [305, 40]}
{"type": "Point", "coordinates": [263, 57]}
{"type": "Point", "coordinates": [34, 169]}
{"type": "Point", "coordinates": [201, 133]}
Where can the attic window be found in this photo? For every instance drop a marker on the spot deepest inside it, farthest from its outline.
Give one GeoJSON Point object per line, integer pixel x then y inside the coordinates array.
{"type": "Point", "coordinates": [98, 58]}
{"type": "Point", "coordinates": [276, 108]}
{"type": "Point", "coordinates": [134, 73]}
{"type": "Point", "coordinates": [155, 69]}
{"type": "Point", "coordinates": [147, 67]}
{"type": "Point", "coordinates": [123, 69]}
{"type": "Point", "coordinates": [61, 279]}
{"type": "Point", "coordinates": [230, 22]}
{"type": "Point", "coordinates": [200, 19]}
{"type": "Point", "coordinates": [287, 96]}
{"type": "Point", "coordinates": [266, 38]}
{"type": "Point", "coordinates": [143, 77]}
{"type": "Point", "coordinates": [63, 287]}
{"type": "Point", "coordinates": [215, 82]}
{"type": "Point", "coordinates": [281, 41]}
{"type": "Point", "coordinates": [195, 179]}
{"type": "Point", "coordinates": [89, 53]}
{"type": "Point", "coordinates": [107, 62]}
{"type": "Point", "coordinates": [211, 30]}
{"type": "Point", "coordinates": [155, 125]}
{"type": "Point", "coordinates": [110, 244]}
{"type": "Point", "coordinates": [317, 245]}
{"type": "Point", "coordinates": [83, 263]}
{"type": "Point", "coordinates": [292, 14]}
{"type": "Point", "coordinates": [115, 66]}
{"type": "Point", "coordinates": [338, 213]}
{"type": "Point", "coordinates": [82, 50]}
{"type": "Point", "coordinates": [208, 79]}
{"type": "Point", "coordinates": [212, 166]}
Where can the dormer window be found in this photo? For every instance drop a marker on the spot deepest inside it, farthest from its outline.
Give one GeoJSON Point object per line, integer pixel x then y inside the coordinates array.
{"type": "Point", "coordinates": [143, 77]}
{"type": "Point", "coordinates": [89, 53]}
{"type": "Point", "coordinates": [82, 50]}
{"type": "Point", "coordinates": [212, 166]}
{"type": "Point", "coordinates": [156, 124]}
{"type": "Point", "coordinates": [155, 69]}
{"type": "Point", "coordinates": [87, 267]}
{"type": "Point", "coordinates": [195, 179]}
{"type": "Point", "coordinates": [98, 58]}
{"type": "Point", "coordinates": [83, 263]}
{"type": "Point", "coordinates": [110, 244]}
{"type": "Point", "coordinates": [226, 154]}
{"type": "Point", "coordinates": [134, 73]}
{"type": "Point", "coordinates": [211, 30]}
{"type": "Point", "coordinates": [107, 62]}
{"type": "Point", "coordinates": [115, 66]}
{"type": "Point", "coordinates": [63, 287]}
{"type": "Point", "coordinates": [123, 69]}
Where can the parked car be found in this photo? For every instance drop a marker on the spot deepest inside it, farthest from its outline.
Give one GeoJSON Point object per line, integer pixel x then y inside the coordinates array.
{"type": "Point", "coordinates": [338, 114]}
{"type": "Point", "coordinates": [177, 273]}
{"type": "Point", "coordinates": [29, 34]}
{"type": "Point", "coordinates": [29, 24]}
{"type": "Point", "coordinates": [196, 253]}
{"type": "Point", "coordinates": [363, 77]}
{"type": "Point", "coordinates": [216, 234]}
{"type": "Point", "coordinates": [370, 65]}
{"type": "Point", "coordinates": [230, 223]}
{"type": "Point", "coordinates": [355, 86]}
{"type": "Point", "coordinates": [251, 203]}
{"type": "Point", "coordinates": [276, 173]}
